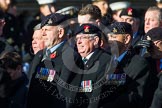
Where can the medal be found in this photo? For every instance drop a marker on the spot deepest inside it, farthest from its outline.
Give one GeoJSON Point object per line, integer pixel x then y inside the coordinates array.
{"type": "Point", "coordinates": [86, 86]}
{"type": "Point", "coordinates": [51, 75]}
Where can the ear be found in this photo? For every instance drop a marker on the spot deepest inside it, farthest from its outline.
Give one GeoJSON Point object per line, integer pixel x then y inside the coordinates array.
{"type": "Point", "coordinates": [127, 39]}
{"type": "Point", "coordinates": [96, 41]}
{"type": "Point", "coordinates": [102, 43]}
{"type": "Point", "coordinates": [61, 32]}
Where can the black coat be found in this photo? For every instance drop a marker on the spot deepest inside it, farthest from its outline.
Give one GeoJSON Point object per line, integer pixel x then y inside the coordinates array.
{"type": "Point", "coordinates": [93, 71]}
{"type": "Point", "coordinates": [129, 94]}
{"type": "Point", "coordinates": [5, 47]}
{"type": "Point", "coordinates": [46, 94]}
{"type": "Point", "coordinates": [13, 93]}
{"type": "Point", "coordinates": [157, 100]}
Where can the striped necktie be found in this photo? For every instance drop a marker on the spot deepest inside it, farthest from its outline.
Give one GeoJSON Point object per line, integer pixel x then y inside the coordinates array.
{"type": "Point", "coordinates": [46, 55]}
{"type": "Point", "coordinates": [85, 60]}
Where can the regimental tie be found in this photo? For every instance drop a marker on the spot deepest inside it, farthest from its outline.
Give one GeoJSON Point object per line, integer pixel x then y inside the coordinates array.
{"type": "Point", "coordinates": [46, 55]}
{"type": "Point", "coordinates": [85, 60]}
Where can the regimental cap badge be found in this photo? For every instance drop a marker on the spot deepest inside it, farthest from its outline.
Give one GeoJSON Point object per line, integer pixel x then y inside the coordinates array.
{"type": "Point", "coordinates": [50, 21]}
{"type": "Point", "coordinates": [115, 30]}
{"type": "Point", "coordinates": [130, 11]}
{"type": "Point", "coordinates": [86, 28]}
{"type": "Point", "coordinates": [148, 38]}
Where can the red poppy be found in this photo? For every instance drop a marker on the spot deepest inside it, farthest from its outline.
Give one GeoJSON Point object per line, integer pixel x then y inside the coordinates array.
{"type": "Point", "coordinates": [53, 55]}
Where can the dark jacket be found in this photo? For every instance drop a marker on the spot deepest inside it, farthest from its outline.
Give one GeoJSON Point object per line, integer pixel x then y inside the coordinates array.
{"type": "Point", "coordinates": [93, 71]}
{"type": "Point", "coordinates": [5, 47]}
{"type": "Point", "coordinates": [157, 100]}
{"type": "Point", "coordinates": [129, 94]}
{"type": "Point", "coordinates": [16, 93]}
{"type": "Point", "coordinates": [49, 94]}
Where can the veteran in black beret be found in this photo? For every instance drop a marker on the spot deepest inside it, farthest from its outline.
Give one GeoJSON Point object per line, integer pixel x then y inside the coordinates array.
{"type": "Point", "coordinates": [131, 16]}
{"type": "Point", "coordinates": [53, 67]}
{"type": "Point", "coordinates": [125, 84]}
{"type": "Point", "coordinates": [96, 60]}
{"type": "Point", "coordinates": [119, 30]}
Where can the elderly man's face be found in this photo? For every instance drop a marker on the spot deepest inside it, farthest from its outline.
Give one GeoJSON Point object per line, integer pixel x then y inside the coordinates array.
{"type": "Point", "coordinates": [151, 20]}
{"type": "Point", "coordinates": [157, 49]}
{"type": "Point", "coordinates": [86, 44]}
{"type": "Point", "coordinates": [37, 43]}
{"type": "Point", "coordinates": [50, 35]}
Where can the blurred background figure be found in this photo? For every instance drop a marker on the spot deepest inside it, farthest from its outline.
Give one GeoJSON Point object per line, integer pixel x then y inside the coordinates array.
{"type": "Point", "coordinates": [159, 3]}
{"type": "Point", "coordinates": [12, 7]}
{"type": "Point", "coordinates": [11, 30]}
{"type": "Point", "coordinates": [117, 7]}
{"type": "Point", "coordinates": [71, 13]}
{"type": "Point", "coordinates": [47, 6]}
{"type": "Point", "coordinates": [89, 14]}
{"type": "Point", "coordinates": [102, 5]}
{"type": "Point", "coordinates": [17, 90]}
{"type": "Point", "coordinates": [4, 45]}
{"type": "Point", "coordinates": [106, 11]}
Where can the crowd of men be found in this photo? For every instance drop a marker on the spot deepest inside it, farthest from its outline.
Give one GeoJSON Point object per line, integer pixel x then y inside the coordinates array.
{"type": "Point", "coordinates": [99, 56]}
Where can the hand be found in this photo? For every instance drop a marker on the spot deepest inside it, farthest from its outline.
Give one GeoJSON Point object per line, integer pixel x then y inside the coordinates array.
{"type": "Point", "coordinates": [144, 43]}
{"type": "Point", "coordinates": [143, 47]}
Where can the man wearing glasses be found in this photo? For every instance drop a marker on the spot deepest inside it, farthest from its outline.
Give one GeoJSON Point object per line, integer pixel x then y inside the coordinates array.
{"type": "Point", "coordinates": [88, 38]}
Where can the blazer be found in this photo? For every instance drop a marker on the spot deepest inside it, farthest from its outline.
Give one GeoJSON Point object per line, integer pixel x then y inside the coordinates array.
{"type": "Point", "coordinates": [49, 79]}
{"type": "Point", "coordinates": [93, 71]}
{"type": "Point", "coordinates": [130, 94]}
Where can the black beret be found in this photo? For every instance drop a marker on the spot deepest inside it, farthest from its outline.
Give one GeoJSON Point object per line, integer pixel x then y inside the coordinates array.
{"type": "Point", "coordinates": [120, 28]}
{"type": "Point", "coordinates": [37, 27]}
{"type": "Point", "coordinates": [129, 12]}
{"type": "Point", "coordinates": [53, 19]}
{"type": "Point", "coordinates": [88, 29]}
{"type": "Point", "coordinates": [154, 34]}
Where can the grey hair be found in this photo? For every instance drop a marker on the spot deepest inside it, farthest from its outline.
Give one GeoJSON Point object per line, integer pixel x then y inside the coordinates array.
{"type": "Point", "coordinates": [155, 8]}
